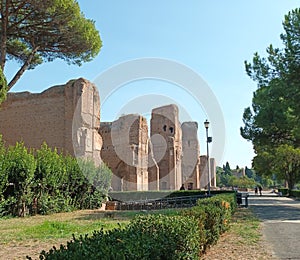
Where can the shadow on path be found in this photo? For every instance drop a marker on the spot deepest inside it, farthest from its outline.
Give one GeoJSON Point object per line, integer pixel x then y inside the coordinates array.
{"type": "Point", "coordinates": [281, 224]}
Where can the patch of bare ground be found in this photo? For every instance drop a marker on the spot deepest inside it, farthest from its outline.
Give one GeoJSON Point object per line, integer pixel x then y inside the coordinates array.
{"type": "Point", "coordinates": [32, 248]}
{"type": "Point", "coordinates": [244, 240]}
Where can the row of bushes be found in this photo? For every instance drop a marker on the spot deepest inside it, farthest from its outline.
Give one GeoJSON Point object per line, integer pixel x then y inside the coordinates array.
{"type": "Point", "coordinates": [44, 181]}
{"type": "Point", "coordinates": [184, 236]}
{"type": "Point", "coordinates": [150, 195]}
{"type": "Point", "coordinates": [295, 193]}
{"type": "Point", "coordinates": [287, 192]}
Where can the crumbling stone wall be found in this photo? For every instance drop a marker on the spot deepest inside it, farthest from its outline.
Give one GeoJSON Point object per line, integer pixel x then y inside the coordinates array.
{"type": "Point", "coordinates": [167, 148]}
{"type": "Point", "coordinates": [66, 117]}
{"type": "Point", "coordinates": [190, 155]}
{"type": "Point", "coordinates": [125, 151]}
{"type": "Point", "coordinates": [213, 172]}
{"type": "Point", "coordinates": [204, 172]}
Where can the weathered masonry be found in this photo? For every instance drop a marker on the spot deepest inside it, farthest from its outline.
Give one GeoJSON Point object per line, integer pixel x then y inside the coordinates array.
{"type": "Point", "coordinates": [66, 117]}
{"type": "Point", "coordinates": [125, 151]}
{"type": "Point", "coordinates": [166, 147]}
{"type": "Point", "coordinates": [190, 155]}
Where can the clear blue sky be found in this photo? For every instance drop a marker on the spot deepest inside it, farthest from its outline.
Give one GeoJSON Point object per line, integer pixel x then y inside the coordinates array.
{"type": "Point", "coordinates": [213, 38]}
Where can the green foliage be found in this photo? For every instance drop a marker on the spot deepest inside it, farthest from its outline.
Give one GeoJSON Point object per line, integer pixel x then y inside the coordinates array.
{"type": "Point", "coordinates": [3, 86]}
{"type": "Point", "coordinates": [3, 172]}
{"type": "Point", "coordinates": [284, 191]}
{"type": "Point", "coordinates": [20, 165]}
{"type": "Point", "coordinates": [244, 182]}
{"type": "Point", "coordinates": [50, 171]}
{"type": "Point", "coordinates": [225, 178]}
{"type": "Point", "coordinates": [41, 31]}
{"type": "Point", "coordinates": [184, 236]}
{"type": "Point", "coordinates": [44, 182]}
{"type": "Point", "coordinates": [272, 124]}
{"type": "Point", "coordinates": [149, 195]}
{"type": "Point", "coordinates": [295, 193]}
{"type": "Point", "coordinates": [284, 161]}
{"type": "Point", "coordinates": [146, 237]}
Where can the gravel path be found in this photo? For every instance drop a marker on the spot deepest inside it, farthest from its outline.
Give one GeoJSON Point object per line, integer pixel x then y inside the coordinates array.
{"type": "Point", "coordinates": [281, 223]}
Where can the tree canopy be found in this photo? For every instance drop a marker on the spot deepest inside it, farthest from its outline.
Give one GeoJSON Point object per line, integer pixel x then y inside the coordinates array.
{"type": "Point", "coordinates": [273, 122]}
{"type": "Point", "coordinates": [35, 31]}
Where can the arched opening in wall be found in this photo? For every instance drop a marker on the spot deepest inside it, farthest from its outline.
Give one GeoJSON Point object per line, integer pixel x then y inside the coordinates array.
{"type": "Point", "coordinates": [171, 130]}
{"type": "Point", "coordinates": [190, 186]}
{"type": "Point", "coordinates": [165, 128]}
{"type": "Point", "coordinates": [121, 173]}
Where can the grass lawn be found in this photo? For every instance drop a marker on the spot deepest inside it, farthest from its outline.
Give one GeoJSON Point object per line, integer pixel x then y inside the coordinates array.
{"type": "Point", "coordinates": [31, 235]}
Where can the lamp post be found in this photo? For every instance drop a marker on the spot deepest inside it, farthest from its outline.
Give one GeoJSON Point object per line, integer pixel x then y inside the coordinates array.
{"type": "Point", "coordinates": [208, 140]}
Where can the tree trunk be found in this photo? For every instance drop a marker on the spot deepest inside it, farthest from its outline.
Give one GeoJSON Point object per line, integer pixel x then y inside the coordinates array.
{"type": "Point", "coordinates": [4, 23]}
{"type": "Point", "coordinates": [22, 69]}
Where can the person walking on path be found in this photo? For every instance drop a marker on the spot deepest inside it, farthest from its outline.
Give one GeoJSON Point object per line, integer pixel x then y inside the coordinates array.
{"type": "Point", "coordinates": [260, 190]}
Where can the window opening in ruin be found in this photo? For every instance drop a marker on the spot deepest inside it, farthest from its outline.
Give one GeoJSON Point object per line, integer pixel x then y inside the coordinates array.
{"type": "Point", "coordinates": [190, 186]}
{"type": "Point", "coordinates": [189, 143]}
{"type": "Point", "coordinates": [165, 128]}
{"type": "Point", "coordinates": [171, 130]}
{"type": "Point", "coordinates": [135, 158]}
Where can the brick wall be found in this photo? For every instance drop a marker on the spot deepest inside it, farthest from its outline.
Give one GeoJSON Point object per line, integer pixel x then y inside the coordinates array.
{"type": "Point", "coordinates": [63, 116]}
{"type": "Point", "coordinates": [125, 151]}
{"type": "Point", "coordinates": [190, 155]}
{"type": "Point", "coordinates": [167, 149]}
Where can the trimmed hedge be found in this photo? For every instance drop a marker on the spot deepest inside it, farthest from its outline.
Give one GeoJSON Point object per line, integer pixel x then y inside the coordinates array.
{"type": "Point", "coordinates": [295, 193]}
{"type": "Point", "coordinates": [284, 191]}
{"type": "Point", "coordinates": [185, 236]}
{"type": "Point", "coordinates": [148, 195]}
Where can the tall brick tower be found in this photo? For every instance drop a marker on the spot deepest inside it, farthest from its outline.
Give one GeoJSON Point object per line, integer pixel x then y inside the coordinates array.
{"type": "Point", "coordinates": [166, 148]}
{"type": "Point", "coordinates": [190, 159]}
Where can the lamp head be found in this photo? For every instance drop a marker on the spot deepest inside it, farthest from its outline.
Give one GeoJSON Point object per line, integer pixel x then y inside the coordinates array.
{"type": "Point", "coordinates": [206, 124]}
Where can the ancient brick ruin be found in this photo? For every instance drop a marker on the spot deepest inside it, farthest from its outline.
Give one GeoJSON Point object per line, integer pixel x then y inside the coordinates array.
{"type": "Point", "coordinates": [125, 151]}
{"type": "Point", "coordinates": [204, 172]}
{"type": "Point", "coordinates": [67, 117]}
{"type": "Point", "coordinates": [190, 156]}
{"type": "Point", "coordinates": [167, 148]}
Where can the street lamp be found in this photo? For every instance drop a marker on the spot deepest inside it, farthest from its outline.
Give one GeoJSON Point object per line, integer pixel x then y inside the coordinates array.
{"type": "Point", "coordinates": [208, 140]}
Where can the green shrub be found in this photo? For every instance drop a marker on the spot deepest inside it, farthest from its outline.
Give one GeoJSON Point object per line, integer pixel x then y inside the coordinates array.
{"type": "Point", "coordinates": [162, 237]}
{"type": "Point", "coordinates": [146, 237]}
{"type": "Point", "coordinates": [213, 215]}
{"type": "Point", "coordinates": [20, 165]}
{"type": "Point", "coordinates": [45, 182]}
{"type": "Point", "coordinates": [295, 193]}
{"type": "Point", "coordinates": [185, 236]}
{"type": "Point", "coordinates": [3, 172]}
{"type": "Point", "coordinates": [147, 195]}
{"type": "Point", "coordinates": [284, 191]}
